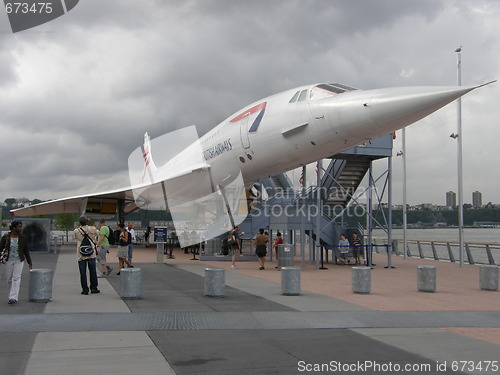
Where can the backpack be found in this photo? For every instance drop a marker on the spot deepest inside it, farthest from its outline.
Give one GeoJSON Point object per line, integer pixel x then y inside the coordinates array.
{"type": "Point", "coordinates": [225, 246]}
{"type": "Point", "coordinates": [4, 254]}
{"type": "Point", "coordinates": [111, 237]}
{"type": "Point", "coordinates": [87, 245]}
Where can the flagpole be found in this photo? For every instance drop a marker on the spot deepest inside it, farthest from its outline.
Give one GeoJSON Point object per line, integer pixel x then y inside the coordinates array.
{"type": "Point", "coordinates": [459, 160]}
{"type": "Point", "coordinates": [405, 211]}
{"type": "Point", "coordinates": [318, 211]}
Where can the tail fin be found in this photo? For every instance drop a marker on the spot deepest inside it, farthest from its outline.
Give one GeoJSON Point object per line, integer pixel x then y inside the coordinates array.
{"type": "Point", "coordinates": [149, 165]}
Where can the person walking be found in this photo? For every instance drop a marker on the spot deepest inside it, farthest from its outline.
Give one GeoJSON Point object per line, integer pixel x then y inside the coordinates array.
{"type": "Point", "coordinates": [234, 249]}
{"type": "Point", "coordinates": [237, 237]}
{"type": "Point", "coordinates": [146, 235]}
{"type": "Point", "coordinates": [14, 249]}
{"type": "Point", "coordinates": [122, 251]}
{"type": "Point", "coordinates": [103, 247]}
{"type": "Point", "coordinates": [84, 234]}
{"type": "Point", "coordinates": [260, 242]}
{"type": "Point", "coordinates": [131, 240]}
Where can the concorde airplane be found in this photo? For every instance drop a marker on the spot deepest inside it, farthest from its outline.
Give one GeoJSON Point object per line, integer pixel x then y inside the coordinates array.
{"type": "Point", "coordinates": [271, 136]}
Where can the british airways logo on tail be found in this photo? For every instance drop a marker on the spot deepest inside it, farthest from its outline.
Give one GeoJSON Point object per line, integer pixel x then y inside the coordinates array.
{"type": "Point", "coordinates": [261, 108]}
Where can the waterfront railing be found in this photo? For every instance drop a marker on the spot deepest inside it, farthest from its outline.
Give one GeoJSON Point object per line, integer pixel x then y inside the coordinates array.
{"type": "Point", "coordinates": [475, 253]}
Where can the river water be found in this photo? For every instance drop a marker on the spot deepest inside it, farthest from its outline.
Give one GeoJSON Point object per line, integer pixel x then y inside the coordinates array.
{"type": "Point", "coordinates": [471, 235]}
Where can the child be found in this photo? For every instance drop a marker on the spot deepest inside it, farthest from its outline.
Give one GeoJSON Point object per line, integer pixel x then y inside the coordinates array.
{"type": "Point", "coordinates": [344, 248]}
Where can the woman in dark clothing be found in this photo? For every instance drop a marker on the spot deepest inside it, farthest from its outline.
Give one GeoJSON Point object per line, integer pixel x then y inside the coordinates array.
{"type": "Point", "coordinates": [122, 251]}
{"type": "Point", "coordinates": [261, 243]}
{"type": "Point", "coordinates": [14, 247]}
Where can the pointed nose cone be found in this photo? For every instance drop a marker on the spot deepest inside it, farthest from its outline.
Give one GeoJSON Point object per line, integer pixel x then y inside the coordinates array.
{"type": "Point", "coordinates": [395, 108]}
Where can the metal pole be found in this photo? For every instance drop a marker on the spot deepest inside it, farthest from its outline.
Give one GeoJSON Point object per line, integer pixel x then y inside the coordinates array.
{"type": "Point", "coordinates": [405, 212]}
{"type": "Point", "coordinates": [459, 158]}
{"type": "Point", "coordinates": [270, 245]}
{"type": "Point", "coordinates": [369, 248]}
{"type": "Point", "coordinates": [303, 219]}
{"type": "Point", "coordinates": [389, 224]}
{"type": "Point", "coordinates": [318, 212]}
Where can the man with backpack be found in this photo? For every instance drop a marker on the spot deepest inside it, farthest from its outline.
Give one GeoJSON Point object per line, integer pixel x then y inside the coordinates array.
{"type": "Point", "coordinates": [105, 234]}
{"type": "Point", "coordinates": [86, 253]}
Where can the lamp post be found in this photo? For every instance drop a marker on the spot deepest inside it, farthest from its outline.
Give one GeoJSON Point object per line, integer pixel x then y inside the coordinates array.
{"type": "Point", "coordinates": [459, 158]}
{"type": "Point", "coordinates": [405, 211]}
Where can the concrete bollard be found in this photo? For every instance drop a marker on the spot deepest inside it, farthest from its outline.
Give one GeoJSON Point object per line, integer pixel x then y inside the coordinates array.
{"type": "Point", "coordinates": [40, 285]}
{"type": "Point", "coordinates": [488, 277]}
{"type": "Point", "coordinates": [426, 278]}
{"type": "Point", "coordinates": [290, 281]}
{"type": "Point", "coordinates": [130, 283]}
{"type": "Point", "coordinates": [215, 282]}
{"type": "Point", "coordinates": [361, 280]}
{"type": "Point", "coordinates": [285, 256]}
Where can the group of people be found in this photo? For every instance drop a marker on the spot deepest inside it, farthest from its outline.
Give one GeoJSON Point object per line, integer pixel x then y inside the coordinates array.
{"type": "Point", "coordinates": [99, 240]}
{"type": "Point", "coordinates": [233, 243]}
{"type": "Point", "coordinates": [261, 240]}
{"type": "Point", "coordinates": [192, 238]}
{"type": "Point", "coordinates": [92, 244]}
{"type": "Point", "coordinates": [14, 251]}
{"type": "Point", "coordinates": [343, 249]}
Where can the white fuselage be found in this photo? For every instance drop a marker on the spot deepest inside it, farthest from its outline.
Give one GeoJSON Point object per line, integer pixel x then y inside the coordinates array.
{"type": "Point", "coordinates": [291, 134]}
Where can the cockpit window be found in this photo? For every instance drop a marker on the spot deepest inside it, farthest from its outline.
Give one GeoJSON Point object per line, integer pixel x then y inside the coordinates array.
{"type": "Point", "coordinates": [299, 96]}
{"type": "Point", "coordinates": [294, 97]}
{"type": "Point", "coordinates": [327, 90]}
{"type": "Point", "coordinates": [324, 90]}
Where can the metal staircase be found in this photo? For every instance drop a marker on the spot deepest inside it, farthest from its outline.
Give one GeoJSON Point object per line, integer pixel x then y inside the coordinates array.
{"type": "Point", "coordinates": [342, 178]}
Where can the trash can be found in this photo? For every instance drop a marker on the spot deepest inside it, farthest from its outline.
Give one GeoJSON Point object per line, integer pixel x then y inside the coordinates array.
{"type": "Point", "coordinates": [488, 277]}
{"type": "Point", "coordinates": [426, 278]}
{"type": "Point", "coordinates": [361, 280]}
{"type": "Point", "coordinates": [130, 283]}
{"type": "Point", "coordinates": [40, 285]}
{"type": "Point", "coordinates": [215, 282]}
{"type": "Point", "coordinates": [285, 256]}
{"type": "Point", "coordinates": [290, 281]}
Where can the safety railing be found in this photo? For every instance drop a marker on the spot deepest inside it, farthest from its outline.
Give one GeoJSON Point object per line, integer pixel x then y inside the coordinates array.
{"type": "Point", "coordinates": [474, 253]}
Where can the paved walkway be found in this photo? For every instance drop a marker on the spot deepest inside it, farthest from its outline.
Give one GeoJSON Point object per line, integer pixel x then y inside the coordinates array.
{"type": "Point", "coordinates": [175, 329]}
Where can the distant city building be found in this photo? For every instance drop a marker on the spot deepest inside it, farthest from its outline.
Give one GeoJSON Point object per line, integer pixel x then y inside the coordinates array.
{"type": "Point", "coordinates": [477, 199]}
{"type": "Point", "coordinates": [451, 199]}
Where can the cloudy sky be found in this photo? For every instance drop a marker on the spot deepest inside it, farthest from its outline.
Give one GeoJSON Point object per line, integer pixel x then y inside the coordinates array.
{"type": "Point", "coordinates": [78, 93]}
